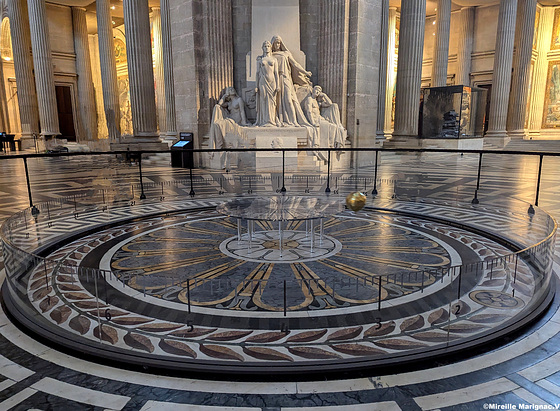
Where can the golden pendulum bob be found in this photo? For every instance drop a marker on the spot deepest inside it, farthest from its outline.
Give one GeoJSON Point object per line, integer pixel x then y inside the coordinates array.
{"type": "Point", "coordinates": [355, 201]}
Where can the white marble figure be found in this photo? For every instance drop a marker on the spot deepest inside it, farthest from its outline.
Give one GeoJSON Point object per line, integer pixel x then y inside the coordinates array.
{"type": "Point", "coordinates": [227, 118]}
{"type": "Point", "coordinates": [324, 115]}
{"type": "Point", "coordinates": [290, 73]}
{"type": "Point", "coordinates": [267, 88]}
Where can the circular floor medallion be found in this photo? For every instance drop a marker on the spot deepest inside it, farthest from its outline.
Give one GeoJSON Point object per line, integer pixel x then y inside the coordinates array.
{"type": "Point", "coordinates": [496, 299]}
{"type": "Point", "coordinates": [264, 246]}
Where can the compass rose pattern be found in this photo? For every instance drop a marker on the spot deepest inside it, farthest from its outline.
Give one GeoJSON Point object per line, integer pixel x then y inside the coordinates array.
{"type": "Point", "coordinates": [185, 262]}
{"type": "Point", "coordinates": [163, 267]}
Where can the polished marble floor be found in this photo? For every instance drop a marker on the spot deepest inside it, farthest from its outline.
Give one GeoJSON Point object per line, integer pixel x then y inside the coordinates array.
{"type": "Point", "coordinates": [525, 370]}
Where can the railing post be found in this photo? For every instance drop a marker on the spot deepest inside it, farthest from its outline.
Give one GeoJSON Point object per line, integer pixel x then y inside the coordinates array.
{"type": "Point", "coordinates": [34, 210]}
{"type": "Point", "coordinates": [142, 195]}
{"type": "Point", "coordinates": [531, 209]}
{"type": "Point", "coordinates": [475, 199]}
{"type": "Point", "coordinates": [285, 298]}
{"type": "Point", "coordinates": [328, 189]}
{"type": "Point", "coordinates": [283, 189]}
{"type": "Point", "coordinates": [374, 191]}
{"type": "Point", "coordinates": [191, 193]}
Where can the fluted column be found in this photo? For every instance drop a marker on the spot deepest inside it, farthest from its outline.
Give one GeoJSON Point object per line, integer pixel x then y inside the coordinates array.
{"type": "Point", "coordinates": [383, 57]}
{"type": "Point", "coordinates": [409, 69]}
{"type": "Point", "coordinates": [158, 69]}
{"type": "Point", "coordinates": [525, 29]}
{"type": "Point", "coordinates": [170, 121]}
{"type": "Point", "coordinates": [441, 43]}
{"type": "Point", "coordinates": [42, 64]}
{"type": "Point", "coordinates": [23, 66]}
{"type": "Point", "coordinates": [4, 120]}
{"type": "Point", "coordinates": [464, 52]}
{"type": "Point", "coordinates": [501, 78]}
{"type": "Point", "coordinates": [140, 69]}
{"type": "Point", "coordinates": [333, 51]}
{"type": "Point", "coordinates": [101, 126]}
{"type": "Point", "coordinates": [538, 87]}
{"type": "Point", "coordinates": [392, 43]}
{"type": "Point", "coordinates": [86, 93]}
{"type": "Point", "coordinates": [108, 67]}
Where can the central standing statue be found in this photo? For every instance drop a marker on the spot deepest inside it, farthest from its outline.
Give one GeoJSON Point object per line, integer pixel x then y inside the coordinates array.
{"type": "Point", "coordinates": [267, 88]}
{"type": "Point", "coordinates": [290, 72]}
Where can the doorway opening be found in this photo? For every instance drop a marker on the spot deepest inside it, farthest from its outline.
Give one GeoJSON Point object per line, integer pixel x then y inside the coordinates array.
{"type": "Point", "coordinates": [65, 113]}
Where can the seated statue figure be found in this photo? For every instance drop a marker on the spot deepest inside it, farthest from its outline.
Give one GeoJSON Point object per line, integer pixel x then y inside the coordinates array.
{"type": "Point", "coordinates": [228, 118]}
{"type": "Point", "coordinates": [323, 114]}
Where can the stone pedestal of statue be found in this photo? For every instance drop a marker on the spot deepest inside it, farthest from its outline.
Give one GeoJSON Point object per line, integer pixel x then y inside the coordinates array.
{"type": "Point", "coordinates": [277, 138]}
{"type": "Point", "coordinates": [261, 137]}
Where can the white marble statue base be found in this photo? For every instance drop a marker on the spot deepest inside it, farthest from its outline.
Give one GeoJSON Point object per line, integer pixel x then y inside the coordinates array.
{"type": "Point", "coordinates": [272, 160]}
{"type": "Point", "coordinates": [271, 137]}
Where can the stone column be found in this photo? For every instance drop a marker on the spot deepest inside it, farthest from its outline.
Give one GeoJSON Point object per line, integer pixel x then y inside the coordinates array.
{"type": "Point", "coordinates": [108, 67]}
{"type": "Point", "coordinates": [390, 68]}
{"type": "Point", "coordinates": [501, 78]}
{"type": "Point", "coordinates": [158, 69]}
{"type": "Point", "coordinates": [333, 51]}
{"type": "Point", "coordinates": [538, 87]}
{"type": "Point", "coordinates": [441, 44]}
{"type": "Point", "coordinates": [170, 121]}
{"type": "Point", "coordinates": [524, 32]}
{"type": "Point", "coordinates": [23, 65]}
{"type": "Point", "coordinates": [409, 69]}
{"type": "Point", "coordinates": [101, 125]}
{"type": "Point", "coordinates": [42, 64]}
{"type": "Point", "coordinates": [86, 93]}
{"type": "Point", "coordinates": [464, 52]}
{"type": "Point", "coordinates": [383, 60]}
{"type": "Point", "coordinates": [140, 69]}
{"type": "Point", "coordinates": [214, 47]}
{"type": "Point", "coordinates": [4, 120]}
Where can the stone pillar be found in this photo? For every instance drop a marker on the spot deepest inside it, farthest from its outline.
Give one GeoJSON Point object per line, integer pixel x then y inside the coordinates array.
{"type": "Point", "coordinates": [409, 69]}
{"type": "Point", "coordinates": [501, 78]}
{"type": "Point", "coordinates": [169, 88]}
{"type": "Point", "coordinates": [213, 46]}
{"type": "Point", "coordinates": [23, 65]}
{"type": "Point", "coordinates": [108, 67]}
{"type": "Point", "coordinates": [4, 120]}
{"type": "Point", "coordinates": [390, 68]}
{"type": "Point", "coordinates": [538, 88]}
{"type": "Point", "coordinates": [42, 64]}
{"type": "Point", "coordinates": [333, 51]}
{"type": "Point", "coordinates": [464, 52]}
{"type": "Point", "coordinates": [524, 32]}
{"type": "Point", "coordinates": [441, 44]}
{"type": "Point", "coordinates": [101, 126]}
{"type": "Point", "coordinates": [140, 69]}
{"type": "Point", "coordinates": [158, 69]}
{"type": "Point", "coordinates": [86, 93]}
{"type": "Point", "coordinates": [383, 60]}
